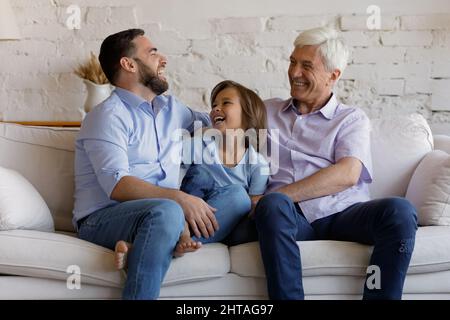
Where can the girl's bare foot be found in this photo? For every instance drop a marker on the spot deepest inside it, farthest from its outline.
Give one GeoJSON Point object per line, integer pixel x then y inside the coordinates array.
{"type": "Point", "coordinates": [186, 244]}
{"type": "Point", "coordinates": [120, 254]}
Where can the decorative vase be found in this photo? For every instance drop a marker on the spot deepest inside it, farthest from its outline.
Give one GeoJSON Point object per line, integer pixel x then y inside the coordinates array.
{"type": "Point", "coordinates": [96, 94]}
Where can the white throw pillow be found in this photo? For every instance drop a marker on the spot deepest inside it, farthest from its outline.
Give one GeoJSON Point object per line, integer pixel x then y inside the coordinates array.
{"type": "Point", "coordinates": [429, 189]}
{"type": "Point", "coordinates": [21, 206]}
{"type": "Point", "coordinates": [398, 144]}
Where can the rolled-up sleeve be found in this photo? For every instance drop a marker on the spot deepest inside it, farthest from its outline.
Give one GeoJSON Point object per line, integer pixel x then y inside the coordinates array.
{"type": "Point", "coordinates": [105, 143]}
{"type": "Point", "coordinates": [110, 163]}
{"type": "Point", "coordinates": [353, 140]}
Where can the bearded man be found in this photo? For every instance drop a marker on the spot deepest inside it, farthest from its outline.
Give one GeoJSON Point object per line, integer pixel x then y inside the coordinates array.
{"type": "Point", "coordinates": [125, 179]}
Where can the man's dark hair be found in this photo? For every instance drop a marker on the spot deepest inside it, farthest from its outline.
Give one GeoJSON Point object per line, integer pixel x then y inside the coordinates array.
{"type": "Point", "coordinates": [114, 48]}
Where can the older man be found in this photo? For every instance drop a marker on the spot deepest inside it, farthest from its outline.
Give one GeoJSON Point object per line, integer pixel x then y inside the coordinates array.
{"type": "Point", "coordinates": [321, 188]}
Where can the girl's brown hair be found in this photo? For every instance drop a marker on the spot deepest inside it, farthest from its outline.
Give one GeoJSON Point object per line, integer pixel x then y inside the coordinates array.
{"type": "Point", "coordinates": [253, 109]}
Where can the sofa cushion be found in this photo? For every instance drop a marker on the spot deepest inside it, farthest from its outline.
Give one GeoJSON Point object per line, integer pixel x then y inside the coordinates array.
{"type": "Point", "coordinates": [21, 206]}
{"type": "Point", "coordinates": [398, 145]}
{"type": "Point", "coordinates": [48, 255]}
{"type": "Point", "coordinates": [429, 189]}
{"type": "Point", "coordinates": [323, 257]}
{"type": "Point", "coordinates": [44, 156]}
{"type": "Point", "coordinates": [210, 262]}
{"type": "Point", "coordinates": [26, 288]}
{"type": "Point", "coordinates": [442, 142]}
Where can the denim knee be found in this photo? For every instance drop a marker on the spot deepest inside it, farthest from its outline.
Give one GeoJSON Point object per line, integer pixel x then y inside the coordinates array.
{"type": "Point", "coordinates": [237, 197]}
{"type": "Point", "coordinates": [272, 208]}
{"type": "Point", "coordinates": [401, 216]}
{"type": "Point", "coordinates": [272, 200]}
{"type": "Point", "coordinates": [197, 181]}
{"type": "Point", "coordinates": [199, 174]}
{"type": "Point", "coordinates": [169, 217]}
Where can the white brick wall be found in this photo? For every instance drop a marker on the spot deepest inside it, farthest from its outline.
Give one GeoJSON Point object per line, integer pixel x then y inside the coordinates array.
{"type": "Point", "coordinates": [390, 87]}
{"type": "Point", "coordinates": [379, 55]}
{"type": "Point", "coordinates": [402, 68]}
{"type": "Point", "coordinates": [407, 38]}
{"type": "Point", "coordinates": [298, 23]}
{"type": "Point", "coordinates": [238, 25]}
{"type": "Point", "coordinates": [426, 22]}
{"type": "Point", "coordinates": [359, 22]}
{"type": "Point", "coordinates": [440, 95]}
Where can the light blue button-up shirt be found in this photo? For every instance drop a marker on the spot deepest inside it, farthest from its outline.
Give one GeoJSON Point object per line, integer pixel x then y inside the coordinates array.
{"type": "Point", "coordinates": [307, 143]}
{"type": "Point", "coordinates": [252, 171]}
{"type": "Point", "coordinates": [128, 136]}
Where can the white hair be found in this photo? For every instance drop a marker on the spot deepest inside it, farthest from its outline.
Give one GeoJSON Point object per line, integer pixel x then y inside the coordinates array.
{"type": "Point", "coordinates": [332, 47]}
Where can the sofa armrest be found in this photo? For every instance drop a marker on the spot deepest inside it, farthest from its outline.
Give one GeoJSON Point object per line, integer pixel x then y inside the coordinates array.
{"type": "Point", "coordinates": [442, 142]}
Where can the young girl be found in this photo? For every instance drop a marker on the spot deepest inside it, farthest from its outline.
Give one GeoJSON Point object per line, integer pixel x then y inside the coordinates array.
{"type": "Point", "coordinates": [227, 171]}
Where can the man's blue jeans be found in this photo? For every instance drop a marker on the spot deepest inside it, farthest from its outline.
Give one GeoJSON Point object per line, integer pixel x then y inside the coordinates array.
{"type": "Point", "coordinates": [153, 226]}
{"type": "Point", "coordinates": [388, 224]}
{"type": "Point", "coordinates": [232, 202]}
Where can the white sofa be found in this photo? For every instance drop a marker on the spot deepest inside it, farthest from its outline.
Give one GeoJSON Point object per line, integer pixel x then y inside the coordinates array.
{"type": "Point", "coordinates": [33, 264]}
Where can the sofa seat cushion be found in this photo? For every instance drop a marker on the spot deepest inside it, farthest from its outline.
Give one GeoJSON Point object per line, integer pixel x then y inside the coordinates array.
{"type": "Point", "coordinates": [48, 255]}
{"type": "Point", "coordinates": [209, 262]}
{"type": "Point", "coordinates": [323, 257]}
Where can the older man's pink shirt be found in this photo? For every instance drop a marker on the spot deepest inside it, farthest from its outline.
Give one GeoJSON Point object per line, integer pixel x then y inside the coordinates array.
{"type": "Point", "coordinates": [309, 142]}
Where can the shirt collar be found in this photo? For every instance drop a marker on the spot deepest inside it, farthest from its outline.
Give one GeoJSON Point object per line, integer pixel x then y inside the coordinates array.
{"type": "Point", "coordinates": [129, 97]}
{"type": "Point", "coordinates": [159, 102]}
{"type": "Point", "coordinates": [328, 110]}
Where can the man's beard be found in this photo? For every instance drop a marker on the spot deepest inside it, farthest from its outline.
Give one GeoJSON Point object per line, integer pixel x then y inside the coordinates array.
{"type": "Point", "coordinates": [150, 79]}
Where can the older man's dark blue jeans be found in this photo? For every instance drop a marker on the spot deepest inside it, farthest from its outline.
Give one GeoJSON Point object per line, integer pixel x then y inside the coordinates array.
{"type": "Point", "coordinates": [388, 224]}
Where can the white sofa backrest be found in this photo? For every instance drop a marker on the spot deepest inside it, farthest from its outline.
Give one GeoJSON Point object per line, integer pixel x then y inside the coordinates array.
{"type": "Point", "coordinates": [398, 145]}
{"type": "Point", "coordinates": [442, 142]}
{"type": "Point", "coordinates": [45, 157]}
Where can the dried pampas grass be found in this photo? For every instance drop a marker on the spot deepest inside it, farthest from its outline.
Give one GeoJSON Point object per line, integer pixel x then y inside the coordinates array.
{"type": "Point", "coordinates": [92, 71]}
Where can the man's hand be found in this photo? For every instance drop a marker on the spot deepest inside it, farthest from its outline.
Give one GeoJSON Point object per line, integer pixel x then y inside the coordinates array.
{"type": "Point", "coordinates": [255, 200]}
{"type": "Point", "coordinates": [198, 214]}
